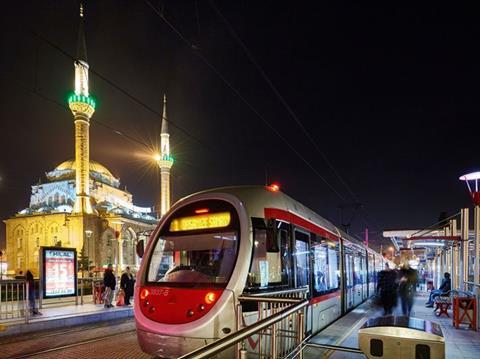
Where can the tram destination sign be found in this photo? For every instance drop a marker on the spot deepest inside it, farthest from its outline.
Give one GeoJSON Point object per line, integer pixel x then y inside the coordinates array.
{"type": "Point", "coordinates": [202, 221]}
{"type": "Point", "coordinates": [58, 272]}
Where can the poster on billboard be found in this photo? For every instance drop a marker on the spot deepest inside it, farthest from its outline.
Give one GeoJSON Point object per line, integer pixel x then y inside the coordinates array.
{"type": "Point", "coordinates": [59, 272]}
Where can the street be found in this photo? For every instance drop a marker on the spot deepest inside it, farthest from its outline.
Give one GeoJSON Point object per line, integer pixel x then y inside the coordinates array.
{"type": "Point", "coordinates": [104, 340]}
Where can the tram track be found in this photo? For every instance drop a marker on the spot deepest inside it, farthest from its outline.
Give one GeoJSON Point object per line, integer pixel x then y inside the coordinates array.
{"type": "Point", "coordinates": [56, 332]}
{"type": "Point", "coordinates": [71, 345]}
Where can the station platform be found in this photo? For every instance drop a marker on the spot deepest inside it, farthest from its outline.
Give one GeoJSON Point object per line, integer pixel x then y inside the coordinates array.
{"type": "Point", "coordinates": [459, 343]}
{"type": "Point", "coordinates": [64, 316]}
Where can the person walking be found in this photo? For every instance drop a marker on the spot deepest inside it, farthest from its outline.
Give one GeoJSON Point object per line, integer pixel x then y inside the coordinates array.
{"type": "Point", "coordinates": [109, 281]}
{"type": "Point", "coordinates": [31, 293]}
{"type": "Point", "coordinates": [387, 289]}
{"type": "Point", "coordinates": [445, 287]}
{"type": "Point", "coordinates": [407, 288]}
{"type": "Point", "coordinates": [127, 284]}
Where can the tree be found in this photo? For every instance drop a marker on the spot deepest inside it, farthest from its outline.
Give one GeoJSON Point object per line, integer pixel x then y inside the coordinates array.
{"type": "Point", "coordinates": [83, 262]}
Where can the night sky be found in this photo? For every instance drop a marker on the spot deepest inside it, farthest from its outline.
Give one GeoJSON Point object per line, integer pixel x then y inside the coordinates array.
{"type": "Point", "coordinates": [388, 94]}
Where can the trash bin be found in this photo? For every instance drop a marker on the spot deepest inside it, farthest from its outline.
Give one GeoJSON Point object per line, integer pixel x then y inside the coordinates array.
{"type": "Point", "coordinates": [401, 338]}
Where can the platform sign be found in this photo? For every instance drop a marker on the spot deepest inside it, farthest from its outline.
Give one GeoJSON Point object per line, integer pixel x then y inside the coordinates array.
{"type": "Point", "coordinates": [59, 272]}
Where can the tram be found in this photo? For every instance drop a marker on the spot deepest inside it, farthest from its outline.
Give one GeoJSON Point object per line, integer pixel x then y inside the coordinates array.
{"type": "Point", "coordinates": [213, 246]}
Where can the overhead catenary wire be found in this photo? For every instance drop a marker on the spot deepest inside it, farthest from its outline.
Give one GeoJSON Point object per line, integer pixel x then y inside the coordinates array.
{"type": "Point", "coordinates": [285, 104]}
{"type": "Point", "coordinates": [59, 104]}
{"type": "Point", "coordinates": [242, 98]}
{"type": "Point", "coordinates": [122, 90]}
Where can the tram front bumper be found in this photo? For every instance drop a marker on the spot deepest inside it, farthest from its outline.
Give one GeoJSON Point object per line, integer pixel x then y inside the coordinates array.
{"type": "Point", "coordinates": [165, 346]}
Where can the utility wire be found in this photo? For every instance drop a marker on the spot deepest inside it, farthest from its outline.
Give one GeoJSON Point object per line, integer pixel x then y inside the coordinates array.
{"type": "Point", "coordinates": [435, 225]}
{"type": "Point", "coordinates": [243, 99]}
{"type": "Point", "coordinates": [289, 109]}
{"type": "Point", "coordinates": [59, 104]}
{"type": "Point", "coordinates": [250, 56]}
{"type": "Point", "coordinates": [120, 89]}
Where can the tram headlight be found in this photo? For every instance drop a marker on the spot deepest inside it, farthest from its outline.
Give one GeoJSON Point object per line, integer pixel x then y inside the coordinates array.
{"type": "Point", "coordinates": [144, 293]}
{"type": "Point", "coordinates": [210, 297]}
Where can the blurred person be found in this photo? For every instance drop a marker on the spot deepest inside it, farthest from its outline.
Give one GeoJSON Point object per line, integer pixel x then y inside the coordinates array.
{"type": "Point", "coordinates": [109, 281]}
{"type": "Point", "coordinates": [31, 293]}
{"type": "Point", "coordinates": [127, 283]}
{"type": "Point", "coordinates": [387, 289]}
{"type": "Point", "coordinates": [445, 287]}
{"type": "Point", "coordinates": [407, 288]}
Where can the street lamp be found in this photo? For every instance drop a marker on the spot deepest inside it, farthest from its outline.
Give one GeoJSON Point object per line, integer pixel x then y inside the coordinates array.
{"type": "Point", "coordinates": [119, 256]}
{"type": "Point", "coordinates": [88, 234]}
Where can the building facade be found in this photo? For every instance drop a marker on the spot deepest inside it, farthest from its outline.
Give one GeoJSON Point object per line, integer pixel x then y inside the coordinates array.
{"type": "Point", "coordinates": [80, 204]}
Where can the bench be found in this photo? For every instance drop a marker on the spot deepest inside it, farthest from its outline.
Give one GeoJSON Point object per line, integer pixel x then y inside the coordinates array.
{"type": "Point", "coordinates": [444, 301]}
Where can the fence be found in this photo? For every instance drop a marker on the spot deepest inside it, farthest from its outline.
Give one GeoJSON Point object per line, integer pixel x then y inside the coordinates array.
{"type": "Point", "coordinates": [14, 300]}
{"type": "Point", "coordinates": [278, 332]}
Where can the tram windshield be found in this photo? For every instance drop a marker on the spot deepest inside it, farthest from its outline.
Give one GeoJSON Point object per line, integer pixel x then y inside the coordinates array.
{"type": "Point", "coordinates": [197, 259]}
{"type": "Point", "coordinates": [196, 247]}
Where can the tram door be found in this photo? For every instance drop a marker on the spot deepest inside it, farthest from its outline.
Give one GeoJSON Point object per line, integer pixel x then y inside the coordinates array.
{"type": "Point", "coordinates": [302, 267]}
{"type": "Point", "coordinates": [349, 279]}
{"type": "Point", "coordinates": [357, 280]}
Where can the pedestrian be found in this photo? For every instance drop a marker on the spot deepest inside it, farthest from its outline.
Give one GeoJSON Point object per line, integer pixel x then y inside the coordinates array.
{"type": "Point", "coordinates": [387, 289]}
{"type": "Point", "coordinates": [445, 287]}
{"type": "Point", "coordinates": [127, 284]}
{"type": "Point", "coordinates": [407, 288]}
{"type": "Point", "coordinates": [31, 294]}
{"type": "Point", "coordinates": [109, 281]}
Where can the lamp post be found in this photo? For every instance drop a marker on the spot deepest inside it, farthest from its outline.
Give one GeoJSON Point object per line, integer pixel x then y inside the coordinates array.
{"type": "Point", "coordinates": [119, 244]}
{"type": "Point", "coordinates": [1, 265]}
{"type": "Point", "coordinates": [88, 234]}
{"type": "Point", "coordinates": [471, 179]}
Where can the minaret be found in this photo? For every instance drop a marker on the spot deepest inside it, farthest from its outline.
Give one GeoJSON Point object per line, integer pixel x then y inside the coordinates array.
{"type": "Point", "coordinates": [165, 162]}
{"type": "Point", "coordinates": [82, 107]}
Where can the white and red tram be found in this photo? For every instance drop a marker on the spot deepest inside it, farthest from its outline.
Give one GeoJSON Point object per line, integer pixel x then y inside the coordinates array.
{"type": "Point", "coordinates": [216, 245]}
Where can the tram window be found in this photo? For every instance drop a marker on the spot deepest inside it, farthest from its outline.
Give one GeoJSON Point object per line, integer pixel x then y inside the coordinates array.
{"type": "Point", "coordinates": [301, 259]}
{"type": "Point", "coordinates": [326, 271]}
{"type": "Point", "coordinates": [333, 265]}
{"type": "Point", "coordinates": [270, 261]}
{"type": "Point", "coordinates": [356, 271]}
{"type": "Point", "coordinates": [320, 267]}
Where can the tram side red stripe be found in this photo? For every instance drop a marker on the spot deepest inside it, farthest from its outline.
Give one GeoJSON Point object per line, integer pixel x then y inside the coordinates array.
{"type": "Point", "coordinates": [325, 297]}
{"type": "Point", "coordinates": [299, 221]}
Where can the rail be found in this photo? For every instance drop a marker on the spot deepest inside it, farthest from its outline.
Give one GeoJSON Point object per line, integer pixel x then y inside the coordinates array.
{"type": "Point", "coordinates": [473, 284]}
{"type": "Point", "coordinates": [295, 307]}
{"type": "Point", "coordinates": [14, 299]}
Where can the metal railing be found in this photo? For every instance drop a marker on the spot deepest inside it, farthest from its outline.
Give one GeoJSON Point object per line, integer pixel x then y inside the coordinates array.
{"type": "Point", "coordinates": [279, 329]}
{"type": "Point", "coordinates": [14, 299]}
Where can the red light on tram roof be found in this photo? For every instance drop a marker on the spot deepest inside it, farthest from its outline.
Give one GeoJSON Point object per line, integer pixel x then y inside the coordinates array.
{"type": "Point", "coordinates": [274, 187]}
{"type": "Point", "coordinates": [202, 210]}
{"type": "Point", "coordinates": [210, 297]}
{"type": "Point", "coordinates": [144, 293]}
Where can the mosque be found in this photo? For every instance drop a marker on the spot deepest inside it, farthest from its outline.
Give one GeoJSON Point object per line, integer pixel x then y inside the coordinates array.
{"type": "Point", "coordinates": [80, 204]}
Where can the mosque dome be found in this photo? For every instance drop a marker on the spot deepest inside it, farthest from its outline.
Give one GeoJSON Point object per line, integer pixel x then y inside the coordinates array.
{"type": "Point", "coordinates": [66, 170]}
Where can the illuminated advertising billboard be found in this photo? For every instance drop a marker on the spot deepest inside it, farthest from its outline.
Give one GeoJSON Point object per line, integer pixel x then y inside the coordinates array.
{"type": "Point", "coordinates": [59, 271]}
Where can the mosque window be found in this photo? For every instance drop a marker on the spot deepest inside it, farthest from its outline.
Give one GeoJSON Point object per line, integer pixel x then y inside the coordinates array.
{"type": "Point", "coordinates": [37, 242]}
{"type": "Point", "coordinates": [62, 199]}
{"type": "Point", "coordinates": [56, 198]}
{"type": "Point", "coordinates": [19, 243]}
{"type": "Point", "coordinates": [20, 262]}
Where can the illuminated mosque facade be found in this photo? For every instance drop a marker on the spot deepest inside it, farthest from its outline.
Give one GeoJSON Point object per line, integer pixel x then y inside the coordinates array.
{"type": "Point", "coordinates": [81, 204]}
